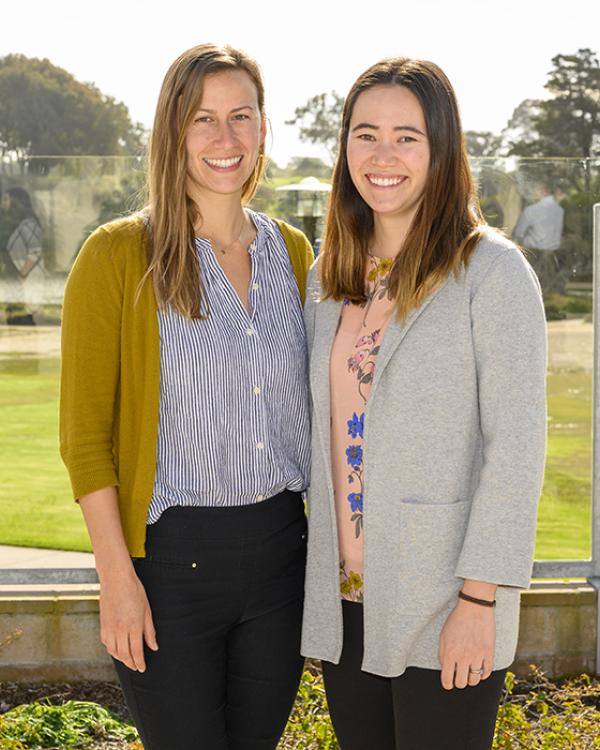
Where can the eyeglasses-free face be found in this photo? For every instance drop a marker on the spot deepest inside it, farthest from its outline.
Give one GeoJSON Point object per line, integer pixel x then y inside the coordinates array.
{"type": "Point", "coordinates": [226, 132]}
{"type": "Point", "coordinates": [388, 150]}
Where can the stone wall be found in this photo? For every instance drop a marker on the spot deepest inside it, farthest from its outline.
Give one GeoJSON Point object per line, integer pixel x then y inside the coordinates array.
{"type": "Point", "coordinates": [558, 629]}
{"type": "Point", "coordinates": [52, 634]}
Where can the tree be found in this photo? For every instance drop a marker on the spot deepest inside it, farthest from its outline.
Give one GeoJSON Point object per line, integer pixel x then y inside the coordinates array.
{"type": "Point", "coordinates": [47, 112]}
{"type": "Point", "coordinates": [308, 166]}
{"type": "Point", "coordinates": [319, 121]}
{"type": "Point", "coordinates": [568, 122]}
{"type": "Point", "coordinates": [482, 143]}
{"type": "Point", "coordinates": [520, 136]}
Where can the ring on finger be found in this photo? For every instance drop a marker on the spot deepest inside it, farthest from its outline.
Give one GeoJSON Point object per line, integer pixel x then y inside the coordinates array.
{"type": "Point", "coordinates": [475, 671]}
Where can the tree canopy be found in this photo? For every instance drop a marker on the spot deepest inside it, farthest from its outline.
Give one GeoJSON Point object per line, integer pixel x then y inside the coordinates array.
{"type": "Point", "coordinates": [482, 143]}
{"type": "Point", "coordinates": [568, 122]}
{"type": "Point", "coordinates": [319, 121]}
{"type": "Point", "coordinates": [47, 112]}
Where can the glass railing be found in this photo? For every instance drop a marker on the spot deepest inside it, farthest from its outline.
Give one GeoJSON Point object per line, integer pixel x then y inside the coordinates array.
{"type": "Point", "coordinates": [49, 206]}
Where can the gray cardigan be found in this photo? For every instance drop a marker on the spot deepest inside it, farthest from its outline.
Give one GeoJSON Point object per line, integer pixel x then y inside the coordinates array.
{"type": "Point", "coordinates": [454, 447]}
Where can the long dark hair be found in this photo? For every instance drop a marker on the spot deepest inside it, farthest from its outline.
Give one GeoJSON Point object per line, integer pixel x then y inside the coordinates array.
{"type": "Point", "coordinates": [447, 224]}
{"type": "Point", "coordinates": [20, 207]}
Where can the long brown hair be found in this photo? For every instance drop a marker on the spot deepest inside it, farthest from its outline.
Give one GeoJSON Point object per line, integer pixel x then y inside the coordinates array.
{"type": "Point", "coordinates": [447, 223]}
{"type": "Point", "coordinates": [172, 261]}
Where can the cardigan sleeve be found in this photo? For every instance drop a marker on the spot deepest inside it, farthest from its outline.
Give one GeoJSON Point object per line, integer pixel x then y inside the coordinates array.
{"type": "Point", "coordinates": [90, 345]}
{"type": "Point", "coordinates": [509, 340]}
{"type": "Point", "coordinates": [300, 252]}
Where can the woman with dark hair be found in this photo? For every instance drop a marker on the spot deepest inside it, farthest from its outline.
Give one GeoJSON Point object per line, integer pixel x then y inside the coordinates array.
{"type": "Point", "coordinates": [21, 261]}
{"type": "Point", "coordinates": [185, 425]}
{"type": "Point", "coordinates": [426, 338]}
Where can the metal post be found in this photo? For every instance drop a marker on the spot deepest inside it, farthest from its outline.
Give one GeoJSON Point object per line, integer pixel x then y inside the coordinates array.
{"type": "Point", "coordinates": [594, 579]}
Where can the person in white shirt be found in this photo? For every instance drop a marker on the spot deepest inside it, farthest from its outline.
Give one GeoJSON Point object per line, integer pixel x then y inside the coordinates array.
{"type": "Point", "coordinates": [539, 230]}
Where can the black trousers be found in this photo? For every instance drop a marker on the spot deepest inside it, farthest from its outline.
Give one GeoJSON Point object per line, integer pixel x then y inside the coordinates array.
{"type": "Point", "coordinates": [410, 712]}
{"type": "Point", "coordinates": [225, 587]}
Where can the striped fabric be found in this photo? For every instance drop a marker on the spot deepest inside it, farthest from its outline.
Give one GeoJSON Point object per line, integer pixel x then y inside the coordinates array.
{"type": "Point", "coordinates": [234, 416]}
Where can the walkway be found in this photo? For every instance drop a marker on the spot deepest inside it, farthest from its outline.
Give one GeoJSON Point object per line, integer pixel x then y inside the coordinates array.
{"type": "Point", "coordinates": [13, 558]}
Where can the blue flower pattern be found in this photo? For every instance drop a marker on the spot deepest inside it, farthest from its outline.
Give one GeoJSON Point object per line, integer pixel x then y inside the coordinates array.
{"type": "Point", "coordinates": [356, 501]}
{"type": "Point", "coordinates": [354, 455]}
{"type": "Point", "coordinates": [356, 425]}
{"type": "Point", "coordinates": [361, 364]}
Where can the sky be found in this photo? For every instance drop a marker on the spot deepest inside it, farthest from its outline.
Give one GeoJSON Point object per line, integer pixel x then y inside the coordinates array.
{"type": "Point", "coordinates": [495, 53]}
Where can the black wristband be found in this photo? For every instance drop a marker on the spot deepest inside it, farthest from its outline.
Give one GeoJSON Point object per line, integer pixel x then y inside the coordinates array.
{"type": "Point", "coordinates": [474, 600]}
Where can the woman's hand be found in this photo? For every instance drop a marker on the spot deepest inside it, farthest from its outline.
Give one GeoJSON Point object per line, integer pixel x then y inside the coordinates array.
{"type": "Point", "coordinates": [467, 640]}
{"type": "Point", "coordinates": [126, 620]}
{"type": "Point", "coordinates": [125, 617]}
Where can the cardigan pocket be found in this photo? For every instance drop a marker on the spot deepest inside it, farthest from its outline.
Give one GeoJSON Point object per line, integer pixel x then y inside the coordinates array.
{"type": "Point", "coordinates": [430, 540]}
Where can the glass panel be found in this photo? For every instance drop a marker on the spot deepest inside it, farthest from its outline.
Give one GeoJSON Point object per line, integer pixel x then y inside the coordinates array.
{"type": "Point", "coordinates": [50, 205]}
{"type": "Point", "coordinates": [546, 206]}
{"type": "Point", "coordinates": [48, 208]}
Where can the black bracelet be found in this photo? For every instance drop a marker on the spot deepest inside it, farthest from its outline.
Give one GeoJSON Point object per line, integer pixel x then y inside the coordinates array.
{"type": "Point", "coordinates": [474, 600]}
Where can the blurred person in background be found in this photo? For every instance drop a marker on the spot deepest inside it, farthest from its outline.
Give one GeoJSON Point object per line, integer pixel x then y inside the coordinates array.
{"type": "Point", "coordinates": [539, 230]}
{"type": "Point", "coordinates": [22, 264]}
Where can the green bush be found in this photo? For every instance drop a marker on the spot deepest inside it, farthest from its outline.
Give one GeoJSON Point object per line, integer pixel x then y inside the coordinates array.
{"type": "Point", "coordinates": [535, 714]}
{"type": "Point", "coordinates": [309, 727]}
{"type": "Point", "coordinates": [542, 715]}
{"type": "Point", "coordinates": [73, 724]}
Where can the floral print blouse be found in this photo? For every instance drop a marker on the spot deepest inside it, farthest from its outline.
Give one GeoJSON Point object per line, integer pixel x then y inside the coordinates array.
{"type": "Point", "coordinates": [352, 367]}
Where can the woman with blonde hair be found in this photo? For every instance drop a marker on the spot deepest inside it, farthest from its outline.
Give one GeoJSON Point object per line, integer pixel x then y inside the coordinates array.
{"type": "Point", "coordinates": [426, 338]}
{"type": "Point", "coordinates": [185, 426]}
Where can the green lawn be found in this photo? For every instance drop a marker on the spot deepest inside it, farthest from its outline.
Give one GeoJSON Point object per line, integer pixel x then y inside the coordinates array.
{"type": "Point", "coordinates": [36, 504]}
{"type": "Point", "coordinates": [564, 528]}
{"type": "Point", "coordinates": [37, 510]}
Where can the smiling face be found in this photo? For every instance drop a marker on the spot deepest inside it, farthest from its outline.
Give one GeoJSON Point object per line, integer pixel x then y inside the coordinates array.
{"type": "Point", "coordinates": [388, 150]}
{"type": "Point", "coordinates": [225, 134]}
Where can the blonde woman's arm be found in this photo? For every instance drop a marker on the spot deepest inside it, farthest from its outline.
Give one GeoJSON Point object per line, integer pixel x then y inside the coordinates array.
{"type": "Point", "coordinates": [90, 371]}
{"type": "Point", "coordinates": [125, 616]}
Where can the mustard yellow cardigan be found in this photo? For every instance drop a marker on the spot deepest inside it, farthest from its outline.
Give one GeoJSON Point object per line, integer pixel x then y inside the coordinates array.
{"type": "Point", "coordinates": [110, 374]}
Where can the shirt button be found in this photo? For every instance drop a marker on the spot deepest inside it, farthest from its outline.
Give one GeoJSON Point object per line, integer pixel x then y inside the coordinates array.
{"type": "Point", "coordinates": [260, 446]}
{"type": "Point", "coordinates": [256, 390]}
{"type": "Point", "coordinates": [249, 331]}
{"type": "Point", "coordinates": [259, 498]}
{"type": "Point", "coordinates": [255, 286]}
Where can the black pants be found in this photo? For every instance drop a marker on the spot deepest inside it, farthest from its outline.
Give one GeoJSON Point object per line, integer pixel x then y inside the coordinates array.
{"type": "Point", "coordinates": [225, 587]}
{"type": "Point", "coordinates": [410, 712]}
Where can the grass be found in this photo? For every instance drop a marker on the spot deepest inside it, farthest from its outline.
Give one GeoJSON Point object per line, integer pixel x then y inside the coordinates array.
{"type": "Point", "coordinates": [36, 504]}
{"type": "Point", "coordinates": [564, 525]}
{"type": "Point", "coordinates": [35, 496]}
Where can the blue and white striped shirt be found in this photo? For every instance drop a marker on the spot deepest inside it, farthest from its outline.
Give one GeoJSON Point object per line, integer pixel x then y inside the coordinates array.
{"type": "Point", "coordinates": [233, 423]}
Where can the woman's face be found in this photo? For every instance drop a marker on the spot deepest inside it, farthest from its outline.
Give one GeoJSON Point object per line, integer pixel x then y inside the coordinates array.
{"type": "Point", "coordinates": [5, 203]}
{"type": "Point", "coordinates": [388, 150]}
{"type": "Point", "coordinates": [225, 134]}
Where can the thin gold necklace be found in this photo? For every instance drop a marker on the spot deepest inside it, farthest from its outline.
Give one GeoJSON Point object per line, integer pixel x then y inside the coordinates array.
{"type": "Point", "coordinates": [227, 248]}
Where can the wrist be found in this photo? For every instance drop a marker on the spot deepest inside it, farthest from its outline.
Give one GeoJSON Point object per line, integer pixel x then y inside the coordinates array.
{"type": "Point", "coordinates": [479, 589]}
{"type": "Point", "coordinates": [115, 571]}
{"type": "Point", "coordinates": [473, 601]}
